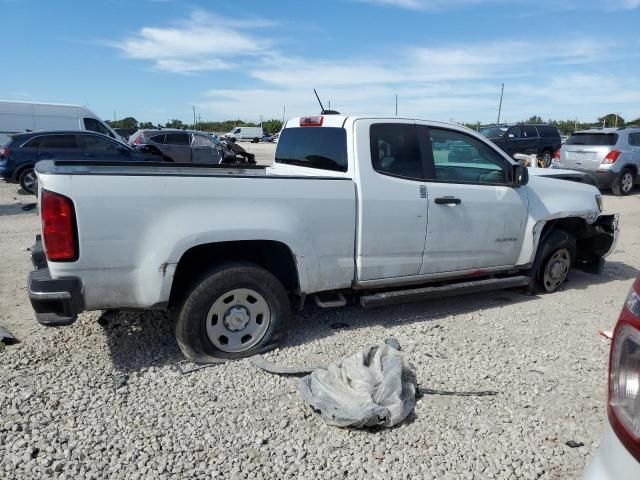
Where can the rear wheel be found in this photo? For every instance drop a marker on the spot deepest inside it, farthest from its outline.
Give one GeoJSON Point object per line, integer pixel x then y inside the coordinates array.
{"type": "Point", "coordinates": [623, 184]}
{"type": "Point", "coordinates": [237, 310]}
{"type": "Point", "coordinates": [28, 180]}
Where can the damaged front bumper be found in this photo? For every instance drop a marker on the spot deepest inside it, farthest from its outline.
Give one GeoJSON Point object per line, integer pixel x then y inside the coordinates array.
{"type": "Point", "coordinates": [56, 301]}
{"type": "Point", "coordinates": [597, 243]}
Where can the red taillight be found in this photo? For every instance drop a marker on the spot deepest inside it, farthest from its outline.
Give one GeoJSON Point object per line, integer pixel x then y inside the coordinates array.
{"type": "Point", "coordinates": [138, 139]}
{"type": "Point", "coordinates": [58, 227]}
{"type": "Point", "coordinates": [556, 155]}
{"type": "Point", "coordinates": [311, 121]}
{"type": "Point", "coordinates": [5, 152]}
{"type": "Point", "coordinates": [624, 374]}
{"type": "Point", "coordinates": [612, 156]}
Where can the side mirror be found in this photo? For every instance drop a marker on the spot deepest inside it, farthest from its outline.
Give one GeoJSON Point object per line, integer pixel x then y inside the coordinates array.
{"type": "Point", "coordinates": [520, 176]}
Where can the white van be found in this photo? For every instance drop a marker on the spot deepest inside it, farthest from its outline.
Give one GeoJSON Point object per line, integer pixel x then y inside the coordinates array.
{"type": "Point", "coordinates": [245, 133]}
{"type": "Point", "coordinates": [18, 117]}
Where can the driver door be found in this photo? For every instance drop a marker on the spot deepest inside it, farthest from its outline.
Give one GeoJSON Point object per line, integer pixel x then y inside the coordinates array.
{"type": "Point", "coordinates": [475, 219]}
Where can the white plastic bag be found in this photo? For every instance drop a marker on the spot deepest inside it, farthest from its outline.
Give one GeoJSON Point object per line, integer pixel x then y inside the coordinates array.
{"type": "Point", "coordinates": [374, 387]}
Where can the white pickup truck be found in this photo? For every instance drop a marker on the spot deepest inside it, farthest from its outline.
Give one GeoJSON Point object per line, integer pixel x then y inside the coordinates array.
{"type": "Point", "coordinates": [383, 210]}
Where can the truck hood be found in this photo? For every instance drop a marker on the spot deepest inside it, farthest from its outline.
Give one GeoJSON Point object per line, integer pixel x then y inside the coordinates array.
{"type": "Point", "coordinates": [551, 198]}
{"type": "Point", "coordinates": [562, 174]}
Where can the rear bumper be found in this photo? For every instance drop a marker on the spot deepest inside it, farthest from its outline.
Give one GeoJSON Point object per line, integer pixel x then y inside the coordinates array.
{"type": "Point", "coordinates": [612, 461]}
{"type": "Point", "coordinates": [58, 301]}
{"type": "Point", "coordinates": [605, 178]}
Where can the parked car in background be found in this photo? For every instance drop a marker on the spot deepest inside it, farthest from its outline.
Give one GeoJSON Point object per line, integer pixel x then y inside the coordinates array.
{"type": "Point", "coordinates": [125, 133]}
{"type": "Point", "coordinates": [180, 146]}
{"type": "Point", "coordinates": [18, 117]}
{"type": "Point", "coordinates": [246, 133]}
{"type": "Point", "coordinates": [19, 155]}
{"type": "Point", "coordinates": [541, 140]}
{"type": "Point", "coordinates": [611, 154]}
{"type": "Point", "coordinates": [618, 456]}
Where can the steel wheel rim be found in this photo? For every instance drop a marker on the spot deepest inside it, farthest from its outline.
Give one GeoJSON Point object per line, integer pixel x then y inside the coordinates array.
{"type": "Point", "coordinates": [627, 182]}
{"type": "Point", "coordinates": [30, 180]}
{"type": "Point", "coordinates": [557, 269]}
{"type": "Point", "coordinates": [238, 320]}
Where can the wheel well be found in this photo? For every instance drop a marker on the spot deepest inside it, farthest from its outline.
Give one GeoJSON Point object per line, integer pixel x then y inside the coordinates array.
{"type": "Point", "coordinates": [273, 256]}
{"type": "Point", "coordinates": [577, 227]}
{"type": "Point", "coordinates": [631, 166]}
{"type": "Point", "coordinates": [20, 169]}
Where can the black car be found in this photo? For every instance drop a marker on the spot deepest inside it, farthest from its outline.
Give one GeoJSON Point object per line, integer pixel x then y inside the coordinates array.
{"type": "Point", "coordinates": [541, 140]}
{"type": "Point", "coordinates": [19, 155]}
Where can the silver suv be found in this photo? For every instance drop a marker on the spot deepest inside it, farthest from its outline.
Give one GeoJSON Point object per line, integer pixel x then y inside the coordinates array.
{"type": "Point", "coordinates": [611, 154]}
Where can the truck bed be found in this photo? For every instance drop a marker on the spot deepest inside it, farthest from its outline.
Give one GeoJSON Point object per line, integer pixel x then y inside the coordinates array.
{"type": "Point", "coordinates": [136, 220]}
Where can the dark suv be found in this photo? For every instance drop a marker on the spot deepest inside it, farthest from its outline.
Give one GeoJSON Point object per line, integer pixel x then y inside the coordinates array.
{"type": "Point", "coordinates": [19, 155]}
{"type": "Point", "coordinates": [541, 140]}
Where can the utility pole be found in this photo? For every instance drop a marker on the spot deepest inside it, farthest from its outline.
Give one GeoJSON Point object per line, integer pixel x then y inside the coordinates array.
{"type": "Point", "coordinates": [260, 121]}
{"type": "Point", "coordinates": [194, 116]}
{"type": "Point", "coordinates": [284, 109]}
{"type": "Point", "coordinates": [500, 106]}
{"type": "Point", "coordinates": [396, 104]}
{"type": "Point", "coordinates": [329, 104]}
{"type": "Point", "coordinates": [114, 115]}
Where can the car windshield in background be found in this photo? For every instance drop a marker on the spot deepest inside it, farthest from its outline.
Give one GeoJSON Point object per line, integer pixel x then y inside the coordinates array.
{"type": "Point", "coordinates": [312, 147]}
{"type": "Point", "coordinates": [493, 132]}
{"type": "Point", "coordinates": [593, 139]}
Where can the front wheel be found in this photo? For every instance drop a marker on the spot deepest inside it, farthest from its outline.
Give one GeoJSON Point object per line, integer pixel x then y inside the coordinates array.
{"type": "Point", "coordinates": [28, 180]}
{"type": "Point", "coordinates": [237, 310]}
{"type": "Point", "coordinates": [553, 261]}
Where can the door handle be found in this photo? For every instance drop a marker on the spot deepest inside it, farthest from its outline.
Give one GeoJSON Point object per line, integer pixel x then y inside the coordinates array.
{"type": "Point", "coordinates": [448, 201]}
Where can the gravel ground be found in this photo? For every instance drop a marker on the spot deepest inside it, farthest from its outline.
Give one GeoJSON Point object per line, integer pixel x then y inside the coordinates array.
{"type": "Point", "coordinates": [117, 401]}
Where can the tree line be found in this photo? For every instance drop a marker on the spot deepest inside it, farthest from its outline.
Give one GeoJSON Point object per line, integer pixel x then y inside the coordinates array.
{"type": "Point", "coordinates": [567, 127]}
{"type": "Point", "coordinates": [269, 126]}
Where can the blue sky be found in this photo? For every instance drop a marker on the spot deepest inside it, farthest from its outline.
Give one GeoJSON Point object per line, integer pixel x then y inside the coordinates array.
{"type": "Point", "coordinates": [446, 59]}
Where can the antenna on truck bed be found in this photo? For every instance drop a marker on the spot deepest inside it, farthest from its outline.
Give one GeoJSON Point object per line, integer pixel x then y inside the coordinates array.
{"type": "Point", "coordinates": [322, 110]}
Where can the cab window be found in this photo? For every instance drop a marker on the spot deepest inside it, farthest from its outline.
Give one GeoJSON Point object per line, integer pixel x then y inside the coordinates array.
{"type": "Point", "coordinates": [460, 158]}
{"type": "Point", "coordinates": [94, 125]}
{"type": "Point", "coordinates": [395, 150]}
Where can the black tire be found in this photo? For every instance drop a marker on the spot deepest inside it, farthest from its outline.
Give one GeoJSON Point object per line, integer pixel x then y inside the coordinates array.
{"type": "Point", "coordinates": [28, 180]}
{"type": "Point", "coordinates": [558, 247]}
{"type": "Point", "coordinates": [167, 159]}
{"type": "Point", "coordinates": [624, 183]}
{"type": "Point", "coordinates": [198, 325]}
{"type": "Point", "coordinates": [546, 158]}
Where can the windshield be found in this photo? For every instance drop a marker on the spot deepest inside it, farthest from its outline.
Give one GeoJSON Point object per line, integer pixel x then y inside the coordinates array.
{"type": "Point", "coordinates": [313, 147]}
{"type": "Point", "coordinates": [493, 132]}
{"type": "Point", "coordinates": [593, 139]}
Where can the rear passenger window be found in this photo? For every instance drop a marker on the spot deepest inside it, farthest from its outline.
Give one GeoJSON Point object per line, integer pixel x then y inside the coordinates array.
{"type": "Point", "coordinates": [33, 143]}
{"type": "Point", "coordinates": [529, 132]}
{"type": "Point", "coordinates": [460, 158]}
{"type": "Point", "coordinates": [59, 141]}
{"type": "Point", "coordinates": [177, 139]}
{"type": "Point", "coordinates": [634, 139]}
{"type": "Point", "coordinates": [395, 150]}
{"type": "Point", "coordinates": [157, 138]}
{"type": "Point", "coordinates": [96, 143]}
{"type": "Point", "coordinates": [314, 147]}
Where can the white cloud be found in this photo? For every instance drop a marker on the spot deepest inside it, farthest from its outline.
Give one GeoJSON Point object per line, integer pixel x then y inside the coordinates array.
{"type": "Point", "coordinates": [197, 44]}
